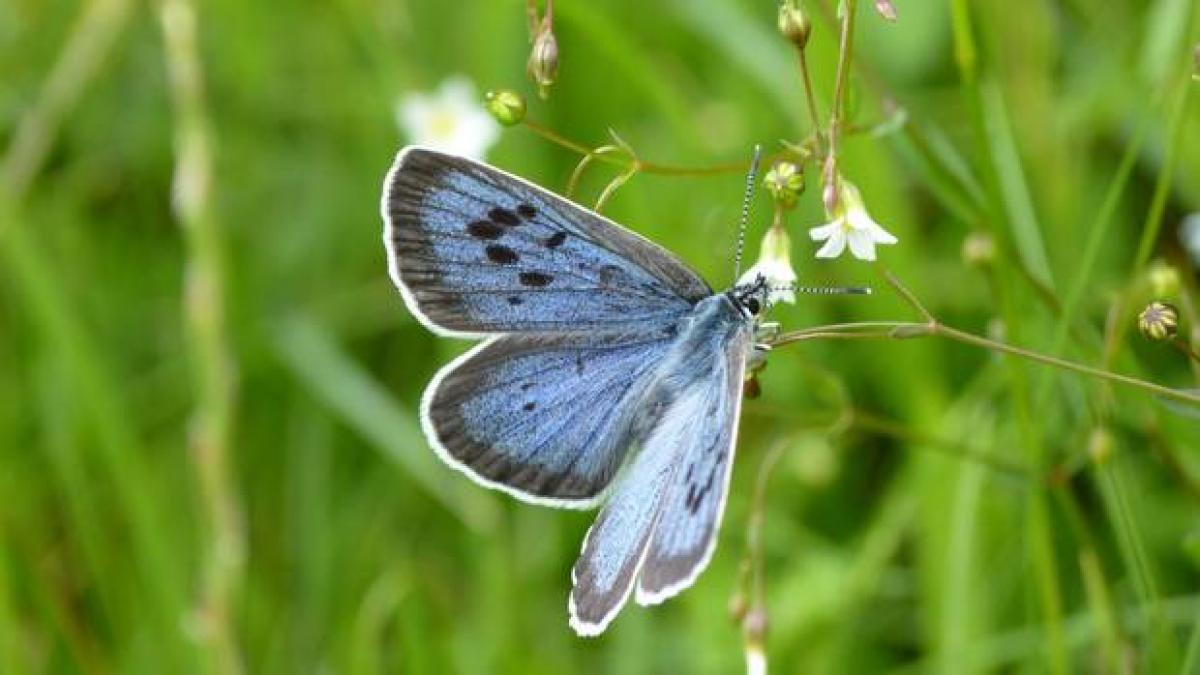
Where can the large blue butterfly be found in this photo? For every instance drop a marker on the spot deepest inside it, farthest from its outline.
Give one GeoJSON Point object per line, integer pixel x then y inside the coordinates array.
{"type": "Point", "coordinates": [609, 373]}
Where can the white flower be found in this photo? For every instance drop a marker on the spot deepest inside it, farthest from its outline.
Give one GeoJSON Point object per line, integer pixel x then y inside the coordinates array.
{"type": "Point", "coordinates": [450, 119]}
{"type": "Point", "coordinates": [775, 266]}
{"type": "Point", "coordinates": [1189, 236]}
{"type": "Point", "coordinates": [851, 225]}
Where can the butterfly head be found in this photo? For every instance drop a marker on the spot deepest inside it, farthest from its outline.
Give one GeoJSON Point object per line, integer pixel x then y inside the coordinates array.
{"type": "Point", "coordinates": [752, 298]}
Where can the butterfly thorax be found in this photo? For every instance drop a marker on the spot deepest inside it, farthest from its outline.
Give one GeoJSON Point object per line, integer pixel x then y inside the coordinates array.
{"type": "Point", "coordinates": [716, 324]}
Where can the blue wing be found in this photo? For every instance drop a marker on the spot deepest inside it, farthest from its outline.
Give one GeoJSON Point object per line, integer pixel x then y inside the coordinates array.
{"type": "Point", "coordinates": [685, 535]}
{"type": "Point", "coordinates": [660, 525]}
{"type": "Point", "coordinates": [545, 418]}
{"type": "Point", "coordinates": [475, 250]}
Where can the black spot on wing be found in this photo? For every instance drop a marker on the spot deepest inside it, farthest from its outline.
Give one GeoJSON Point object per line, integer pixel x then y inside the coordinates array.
{"type": "Point", "coordinates": [555, 240]}
{"type": "Point", "coordinates": [485, 229]}
{"type": "Point", "coordinates": [535, 279]}
{"type": "Point", "coordinates": [527, 212]}
{"type": "Point", "coordinates": [504, 255]}
{"type": "Point", "coordinates": [515, 300]}
{"type": "Point", "coordinates": [529, 406]}
{"type": "Point", "coordinates": [504, 216]}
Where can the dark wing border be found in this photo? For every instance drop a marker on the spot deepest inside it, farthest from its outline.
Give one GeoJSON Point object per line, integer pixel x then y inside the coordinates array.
{"type": "Point", "coordinates": [595, 228]}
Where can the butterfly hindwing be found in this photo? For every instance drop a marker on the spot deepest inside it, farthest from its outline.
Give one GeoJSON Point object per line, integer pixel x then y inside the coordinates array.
{"type": "Point", "coordinates": [475, 250]}
{"type": "Point", "coordinates": [543, 417]}
{"type": "Point", "coordinates": [685, 534]}
{"type": "Point", "coordinates": [659, 527]}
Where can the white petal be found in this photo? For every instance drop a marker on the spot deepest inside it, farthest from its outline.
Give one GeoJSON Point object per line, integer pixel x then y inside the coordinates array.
{"type": "Point", "coordinates": [825, 231]}
{"type": "Point", "coordinates": [882, 236]}
{"type": "Point", "coordinates": [834, 246]}
{"type": "Point", "coordinates": [458, 90]}
{"type": "Point", "coordinates": [862, 245]}
{"type": "Point", "coordinates": [412, 114]}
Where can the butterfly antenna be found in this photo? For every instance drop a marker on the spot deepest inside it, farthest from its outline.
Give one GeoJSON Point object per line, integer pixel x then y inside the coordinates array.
{"type": "Point", "coordinates": [741, 235]}
{"type": "Point", "coordinates": [829, 290]}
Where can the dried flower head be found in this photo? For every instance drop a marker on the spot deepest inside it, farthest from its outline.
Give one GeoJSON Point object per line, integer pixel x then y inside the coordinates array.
{"type": "Point", "coordinates": [1159, 321]}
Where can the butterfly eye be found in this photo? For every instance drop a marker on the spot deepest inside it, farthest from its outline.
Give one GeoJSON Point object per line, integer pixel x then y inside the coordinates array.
{"type": "Point", "coordinates": [753, 306]}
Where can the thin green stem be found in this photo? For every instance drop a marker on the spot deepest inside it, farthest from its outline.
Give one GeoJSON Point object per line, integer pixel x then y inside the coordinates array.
{"type": "Point", "coordinates": [870, 330]}
{"type": "Point", "coordinates": [633, 162]}
{"type": "Point", "coordinates": [845, 53]}
{"type": "Point", "coordinates": [205, 326]}
{"type": "Point", "coordinates": [810, 99]}
{"type": "Point", "coordinates": [968, 338]}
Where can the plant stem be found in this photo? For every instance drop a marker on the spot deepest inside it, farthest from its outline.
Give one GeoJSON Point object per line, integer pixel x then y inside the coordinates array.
{"type": "Point", "coordinates": [968, 338]}
{"type": "Point", "coordinates": [205, 329]}
{"type": "Point", "coordinates": [809, 98]}
{"type": "Point", "coordinates": [870, 330]}
{"type": "Point", "coordinates": [633, 162]}
{"type": "Point", "coordinates": [845, 50]}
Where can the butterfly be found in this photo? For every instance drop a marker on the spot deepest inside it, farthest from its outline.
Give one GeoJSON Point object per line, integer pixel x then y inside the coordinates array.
{"type": "Point", "coordinates": [609, 372]}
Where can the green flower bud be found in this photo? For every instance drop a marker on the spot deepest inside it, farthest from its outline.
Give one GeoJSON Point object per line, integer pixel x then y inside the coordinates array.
{"type": "Point", "coordinates": [794, 23]}
{"type": "Point", "coordinates": [785, 182]}
{"type": "Point", "coordinates": [979, 249]}
{"type": "Point", "coordinates": [1159, 321]}
{"type": "Point", "coordinates": [1100, 445]}
{"type": "Point", "coordinates": [506, 106]}
{"type": "Point", "coordinates": [1164, 279]}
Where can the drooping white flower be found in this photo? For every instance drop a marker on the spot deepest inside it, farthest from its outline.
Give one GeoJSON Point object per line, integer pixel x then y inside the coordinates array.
{"type": "Point", "coordinates": [450, 119]}
{"type": "Point", "coordinates": [775, 266]}
{"type": "Point", "coordinates": [851, 226]}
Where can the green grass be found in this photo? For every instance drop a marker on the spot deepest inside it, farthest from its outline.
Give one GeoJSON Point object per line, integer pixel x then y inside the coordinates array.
{"type": "Point", "coordinates": [936, 510]}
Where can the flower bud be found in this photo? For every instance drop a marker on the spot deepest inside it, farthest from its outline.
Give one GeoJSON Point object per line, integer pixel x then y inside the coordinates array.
{"type": "Point", "coordinates": [829, 184]}
{"type": "Point", "coordinates": [1159, 321]}
{"type": "Point", "coordinates": [1163, 278]}
{"type": "Point", "coordinates": [979, 249]}
{"type": "Point", "coordinates": [754, 625]}
{"type": "Point", "coordinates": [506, 106]}
{"type": "Point", "coordinates": [1100, 445]}
{"type": "Point", "coordinates": [886, 9]}
{"type": "Point", "coordinates": [543, 58]}
{"type": "Point", "coordinates": [785, 182]}
{"type": "Point", "coordinates": [794, 23]}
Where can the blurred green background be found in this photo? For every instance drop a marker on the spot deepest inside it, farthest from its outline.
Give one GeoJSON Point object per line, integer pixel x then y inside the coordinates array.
{"type": "Point", "coordinates": [237, 480]}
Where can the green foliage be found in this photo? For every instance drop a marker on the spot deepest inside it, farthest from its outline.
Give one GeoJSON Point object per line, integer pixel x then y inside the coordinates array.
{"type": "Point", "coordinates": [936, 510]}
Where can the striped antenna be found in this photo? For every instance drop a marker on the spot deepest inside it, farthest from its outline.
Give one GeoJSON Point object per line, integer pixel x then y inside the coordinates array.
{"type": "Point", "coordinates": [741, 235]}
{"type": "Point", "coordinates": [828, 290]}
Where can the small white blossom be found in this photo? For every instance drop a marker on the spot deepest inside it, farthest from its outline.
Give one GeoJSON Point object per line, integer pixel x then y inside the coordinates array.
{"type": "Point", "coordinates": [450, 119]}
{"type": "Point", "coordinates": [775, 266]}
{"type": "Point", "coordinates": [850, 225]}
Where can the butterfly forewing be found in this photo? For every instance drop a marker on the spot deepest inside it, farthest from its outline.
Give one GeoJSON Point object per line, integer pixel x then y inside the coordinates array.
{"type": "Point", "coordinates": [543, 417]}
{"type": "Point", "coordinates": [475, 250]}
